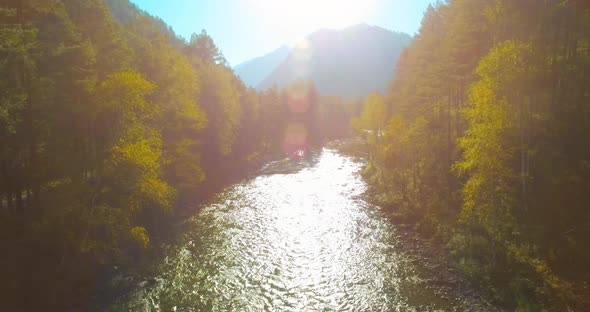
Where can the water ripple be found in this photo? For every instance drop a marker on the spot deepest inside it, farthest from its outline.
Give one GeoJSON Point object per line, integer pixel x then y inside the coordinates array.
{"type": "Point", "coordinates": [296, 238]}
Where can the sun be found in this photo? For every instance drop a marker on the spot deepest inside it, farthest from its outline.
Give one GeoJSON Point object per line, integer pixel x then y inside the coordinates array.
{"type": "Point", "coordinates": [304, 14]}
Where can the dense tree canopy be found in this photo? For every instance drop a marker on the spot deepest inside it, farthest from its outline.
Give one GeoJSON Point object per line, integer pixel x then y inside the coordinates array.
{"type": "Point", "coordinates": [112, 128]}
{"type": "Point", "coordinates": [485, 145]}
{"type": "Point", "coordinates": [109, 125]}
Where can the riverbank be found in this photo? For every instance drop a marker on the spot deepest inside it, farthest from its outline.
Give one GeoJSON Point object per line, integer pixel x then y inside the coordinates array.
{"type": "Point", "coordinates": [514, 280]}
{"type": "Point", "coordinates": [428, 251]}
{"type": "Point", "coordinates": [433, 258]}
{"type": "Point", "coordinates": [118, 282]}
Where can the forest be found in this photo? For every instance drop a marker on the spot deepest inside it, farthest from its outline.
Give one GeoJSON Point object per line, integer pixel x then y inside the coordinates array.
{"type": "Point", "coordinates": [482, 143]}
{"type": "Point", "coordinates": [112, 128]}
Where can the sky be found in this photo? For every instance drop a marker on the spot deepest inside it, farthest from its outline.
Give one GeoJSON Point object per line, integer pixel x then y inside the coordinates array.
{"type": "Point", "coordinates": [245, 29]}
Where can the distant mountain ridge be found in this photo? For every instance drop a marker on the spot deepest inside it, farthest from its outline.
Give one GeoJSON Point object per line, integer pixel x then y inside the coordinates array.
{"type": "Point", "coordinates": [351, 62]}
{"type": "Point", "coordinates": [254, 71]}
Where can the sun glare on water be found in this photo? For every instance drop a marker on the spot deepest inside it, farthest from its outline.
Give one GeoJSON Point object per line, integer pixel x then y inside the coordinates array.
{"type": "Point", "coordinates": [301, 14]}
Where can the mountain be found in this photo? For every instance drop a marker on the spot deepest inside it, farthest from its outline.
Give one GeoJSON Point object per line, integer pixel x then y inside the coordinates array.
{"type": "Point", "coordinates": [351, 62]}
{"type": "Point", "coordinates": [254, 71]}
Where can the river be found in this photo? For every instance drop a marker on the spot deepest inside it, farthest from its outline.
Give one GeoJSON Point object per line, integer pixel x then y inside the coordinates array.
{"type": "Point", "coordinates": [297, 237]}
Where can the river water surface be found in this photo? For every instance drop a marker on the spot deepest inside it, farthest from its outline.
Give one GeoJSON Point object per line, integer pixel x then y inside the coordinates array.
{"type": "Point", "coordinates": [298, 237]}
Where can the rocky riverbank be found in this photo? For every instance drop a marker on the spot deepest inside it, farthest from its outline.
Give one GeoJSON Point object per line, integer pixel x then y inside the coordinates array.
{"type": "Point", "coordinates": [432, 259]}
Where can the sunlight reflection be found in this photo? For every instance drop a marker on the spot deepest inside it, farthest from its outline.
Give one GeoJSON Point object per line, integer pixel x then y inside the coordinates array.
{"type": "Point", "coordinates": [294, 241]}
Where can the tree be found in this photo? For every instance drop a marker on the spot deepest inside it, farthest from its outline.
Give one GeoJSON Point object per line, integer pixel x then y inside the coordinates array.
{"type": "Point", "coordinates": [202, 46]}
{"type": "Point", "coordinates": [372, 121]}
{"type": "Point", "coordinates": [488, 145]}
{"type": "Point", "coordinates": [492, 91]}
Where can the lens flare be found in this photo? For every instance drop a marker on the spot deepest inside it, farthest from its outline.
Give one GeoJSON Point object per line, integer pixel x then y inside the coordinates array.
{"type": "Point", "coordinates": [298, 97]}
{"type": "Point", "coordinates": [301, 54]}
{"type": "Point", "coordinates": [296, 143]}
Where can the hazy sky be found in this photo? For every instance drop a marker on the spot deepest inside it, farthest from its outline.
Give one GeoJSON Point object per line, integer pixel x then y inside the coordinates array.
{"type": "Point", "coordinates": [244, 29]}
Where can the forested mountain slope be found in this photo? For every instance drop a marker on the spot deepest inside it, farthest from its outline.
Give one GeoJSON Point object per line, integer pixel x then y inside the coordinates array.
{"type": "Point", "coordinates": [485, 145]}
{"type": "Point", "coordinates": [111, 128]}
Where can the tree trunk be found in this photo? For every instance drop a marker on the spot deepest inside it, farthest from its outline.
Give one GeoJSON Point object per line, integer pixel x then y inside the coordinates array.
{"type": "Point", "coordinates": [523, 127]}
{"type": "Point", "coordinates": [29, 198]}
{"type": "Point", "coordinates": [3, 203]}
{"type": "Point", "coordinates": [18, 196]}
{"type": "Point", "coordinates": [36, 198]}
{"type": "Point", "coordinates": [449, 149]}
{"type": "Point", "coordinates": [10, 202]}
